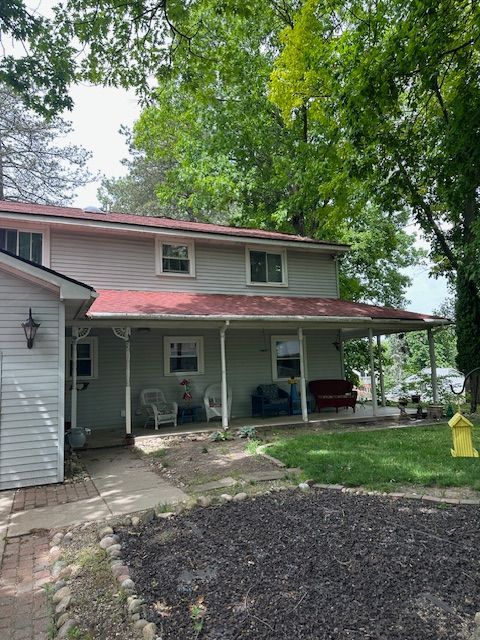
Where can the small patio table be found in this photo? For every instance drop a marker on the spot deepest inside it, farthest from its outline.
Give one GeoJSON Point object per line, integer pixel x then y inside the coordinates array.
{"type": "Point", "coordinates": [190, 413]}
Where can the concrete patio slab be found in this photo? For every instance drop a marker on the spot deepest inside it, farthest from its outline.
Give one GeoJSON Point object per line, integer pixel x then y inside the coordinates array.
{"type": "Point", "coordinates": [223, 483]}
{"type": "Point", "coordinates": [61, 515]}
{"type": "Point", "coordinates": [126, 483]}
{"type": "Point", "coordinates": [263, 476]}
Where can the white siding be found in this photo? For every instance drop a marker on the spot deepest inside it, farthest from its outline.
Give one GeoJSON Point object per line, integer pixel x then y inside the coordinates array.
{"type": "Point", "coordinates": [248, 365]}
{"type": "Point", "coordinates": [123, 262]}
{"type": "Point", "coordinates": [30, 408]}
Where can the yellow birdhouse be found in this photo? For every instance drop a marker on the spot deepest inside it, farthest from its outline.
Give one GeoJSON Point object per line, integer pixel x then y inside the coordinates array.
{"type": "Point", "coordinates": [462, 437]}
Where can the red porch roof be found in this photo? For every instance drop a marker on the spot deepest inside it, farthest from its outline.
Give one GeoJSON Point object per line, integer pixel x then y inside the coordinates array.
{"type": "Point", "coordinates": [74, 214]}
{"type": "Point", "coordinates": [145, 304]}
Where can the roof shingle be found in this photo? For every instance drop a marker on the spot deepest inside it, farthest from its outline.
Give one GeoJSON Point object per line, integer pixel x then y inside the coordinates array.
{"type": "Point", "coordinates": [142, 304]}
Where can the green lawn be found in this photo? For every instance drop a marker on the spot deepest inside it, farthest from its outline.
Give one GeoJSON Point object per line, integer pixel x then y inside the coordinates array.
{"type": "Point", "coordinates": [381, 459]}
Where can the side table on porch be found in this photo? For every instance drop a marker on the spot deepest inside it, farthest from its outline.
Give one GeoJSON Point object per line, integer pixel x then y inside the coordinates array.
{"type": "Point", "coordinates": [190, 413]}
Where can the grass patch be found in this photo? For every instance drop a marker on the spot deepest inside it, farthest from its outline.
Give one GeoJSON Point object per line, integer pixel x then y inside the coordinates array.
{"type": "Point", "coordinates": [158, 453]}
{"type": "Point", "coordinates": [381, 459]}
{"type": "Point", "coordinates": [252, 446]}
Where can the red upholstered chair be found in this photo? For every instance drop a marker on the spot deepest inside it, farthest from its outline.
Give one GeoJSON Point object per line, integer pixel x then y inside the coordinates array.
{"type": "Point", "coordinates": [333, 393]}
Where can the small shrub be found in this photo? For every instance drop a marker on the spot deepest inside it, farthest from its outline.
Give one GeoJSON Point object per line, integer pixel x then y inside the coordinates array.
{"type": "Point", "coordinates": [219, 436]}
{"type": "Point", "coordinates": [247, 432]}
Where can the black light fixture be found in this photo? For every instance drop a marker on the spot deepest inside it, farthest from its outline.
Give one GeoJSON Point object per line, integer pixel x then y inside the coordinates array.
{"type": "Point", "coordinates": [30, 327]}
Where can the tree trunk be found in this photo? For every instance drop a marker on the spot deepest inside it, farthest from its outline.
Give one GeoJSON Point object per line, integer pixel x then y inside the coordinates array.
{"type": "Point", "coordinates": [468, 332]}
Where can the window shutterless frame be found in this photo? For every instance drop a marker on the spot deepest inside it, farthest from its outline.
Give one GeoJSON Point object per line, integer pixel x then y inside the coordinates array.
{"type": "Point", "coordinates": [198, 354]}
{"type": "Point", "coordinates": [286, 357]}
{"type": "Point", "coordinates": [86, 358]}
{"type": "Point", "coordinates": [14, 239]}
{"type": "Point", "coordinates": [281, 253]}
{"type": "Point", "coordinates": [161, 253]}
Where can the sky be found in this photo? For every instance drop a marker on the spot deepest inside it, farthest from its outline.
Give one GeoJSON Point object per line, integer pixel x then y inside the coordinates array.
{"type": "Point", "coordinates": [97, 116]}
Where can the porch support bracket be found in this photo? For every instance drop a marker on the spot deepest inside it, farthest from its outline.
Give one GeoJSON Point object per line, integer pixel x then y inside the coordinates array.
{"type": "Point", "coordinates": [372, 373]}
{"type": "Point", "coordinates": [124, 334]}
{"type": "Point", "coordinates": [78, 333]}
{"type": "Point", "coordinates": [224, 385]}
{"type": "Point", "coordinates": [433, 364]}
{"type": "Point", "coordinates": [303, 386]}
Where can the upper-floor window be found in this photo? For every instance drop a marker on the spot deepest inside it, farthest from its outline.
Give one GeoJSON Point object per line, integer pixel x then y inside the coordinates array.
{"type": "Point", "coordinates": [266, 267]}
{"type": "Point", "coordinates": [26, 244]}
{"type": "Point", "coordinates": [176, 258]}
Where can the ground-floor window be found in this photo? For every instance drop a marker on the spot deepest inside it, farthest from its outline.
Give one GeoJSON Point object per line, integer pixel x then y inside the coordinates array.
{"type": "Point", "coordinates": [87, 358]}
{"type": "Point", "coordinates": [183, 354]}
{"type": "Point", "coordinates": [285, 357]}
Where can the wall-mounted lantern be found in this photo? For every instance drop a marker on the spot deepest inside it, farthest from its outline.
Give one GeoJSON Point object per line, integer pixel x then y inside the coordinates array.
{"type": "Point", "coordinates": [30, 327]}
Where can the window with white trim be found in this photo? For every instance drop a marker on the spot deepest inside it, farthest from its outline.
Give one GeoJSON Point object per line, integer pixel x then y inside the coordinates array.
{"type": "Point", "coordinates": [286, 357]}
{"type": "Point", "coordinates": [25, 244]}
{"type": "Point", "coordinates": [266, 267]}
{"type": "Point", "coordinates": [176, 258]}
{"type": "Point", "coordinates": [87, 358]}
{"type": "Point", "coordinates": [183, 355]}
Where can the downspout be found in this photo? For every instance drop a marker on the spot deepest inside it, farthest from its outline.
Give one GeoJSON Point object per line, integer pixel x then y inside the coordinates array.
{"type": "Point", "coordinates": [223, 358]}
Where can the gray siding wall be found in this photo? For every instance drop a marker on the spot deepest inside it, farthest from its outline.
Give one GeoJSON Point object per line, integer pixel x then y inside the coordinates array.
{"type": "Point", "coordinates": [121, 262]}
{"type": "Point", "coordinates": [30, 408]}
{"type": "Point", "coordinates": [248, 365]}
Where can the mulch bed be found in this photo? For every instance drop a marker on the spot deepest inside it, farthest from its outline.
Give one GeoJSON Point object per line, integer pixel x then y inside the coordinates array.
{"type": "Point", "coordinates": [319, 565]}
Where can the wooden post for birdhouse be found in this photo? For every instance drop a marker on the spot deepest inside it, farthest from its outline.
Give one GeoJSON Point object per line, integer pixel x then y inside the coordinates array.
{"type": "Point", "coordinates": [462, 437]}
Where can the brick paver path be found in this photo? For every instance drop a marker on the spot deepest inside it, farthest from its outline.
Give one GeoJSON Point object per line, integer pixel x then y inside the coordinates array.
{"type": "Point", "coordinates": [52, 494]}
{"type": "Point", "coordinates": [23, 601]}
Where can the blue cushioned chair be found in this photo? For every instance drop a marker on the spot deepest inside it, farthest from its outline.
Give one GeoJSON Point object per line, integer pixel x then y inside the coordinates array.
{"type": "Point", "coordinates": [270, 400]}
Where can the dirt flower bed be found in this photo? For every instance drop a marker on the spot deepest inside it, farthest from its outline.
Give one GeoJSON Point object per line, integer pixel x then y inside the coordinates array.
{"type": "Point", "coordinates": [320, 564]}
{"type": "Point", "coordinates": [193, 460]}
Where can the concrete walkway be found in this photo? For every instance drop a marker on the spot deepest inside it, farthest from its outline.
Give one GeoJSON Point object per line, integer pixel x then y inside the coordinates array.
{"type": "Point", "coordinates": [124, 482]}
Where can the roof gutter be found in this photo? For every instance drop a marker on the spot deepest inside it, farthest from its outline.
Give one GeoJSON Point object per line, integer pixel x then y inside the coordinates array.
{"type": "Point", "coordinates": [347, 320]}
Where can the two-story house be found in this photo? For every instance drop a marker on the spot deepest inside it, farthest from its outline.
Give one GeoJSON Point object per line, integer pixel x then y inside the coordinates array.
{"type": "Point", "coordinates": [126, 302]}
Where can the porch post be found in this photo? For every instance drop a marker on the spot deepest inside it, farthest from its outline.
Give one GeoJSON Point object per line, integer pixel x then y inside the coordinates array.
{"type": "Point", "coordinates": [433, 364]}
{"type": "Point", "coordinates": [77, 334]}
{"type": "Point", "coordinates": [372, 373]}
{"type": "Point", "coordinates": [124, 334]}
{"type": "Point", "coordinates": [380, 371]}
{"type": "Point", "coordinates": [342, 354]}
{"type": "Point", "coordinates": [303, 388]}
{"type": "Point", "coordinates": [224, 376]}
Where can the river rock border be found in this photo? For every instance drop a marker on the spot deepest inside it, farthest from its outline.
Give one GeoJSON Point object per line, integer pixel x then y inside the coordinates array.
{"type": "Point", "coordinates": [61, 595]}
{"type": "Point", "coordinates": [110, 542]}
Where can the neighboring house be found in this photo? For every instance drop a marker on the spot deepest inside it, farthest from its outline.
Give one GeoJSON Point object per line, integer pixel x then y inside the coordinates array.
{"type": "Point", "coordinates": [146, 302]}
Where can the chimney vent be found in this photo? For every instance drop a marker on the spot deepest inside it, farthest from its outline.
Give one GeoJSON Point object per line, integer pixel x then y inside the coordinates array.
{"type": "Point", "coordinates": [92, 209]}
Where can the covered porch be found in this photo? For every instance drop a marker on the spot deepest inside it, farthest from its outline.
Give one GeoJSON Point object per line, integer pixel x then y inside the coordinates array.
{"type": "Point", "coordinates": [234, 342]}
{"type": "Point", "coordinates": [115, 435]}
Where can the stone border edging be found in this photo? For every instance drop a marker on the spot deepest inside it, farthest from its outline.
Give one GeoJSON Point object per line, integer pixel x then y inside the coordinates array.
{"type": "Point", "coordinates": [110, 543]}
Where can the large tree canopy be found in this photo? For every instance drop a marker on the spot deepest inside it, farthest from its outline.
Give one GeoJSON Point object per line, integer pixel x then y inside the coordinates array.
{"type": "Point", "coordinates": [35, 163]}
{"type": "Point", "coordinates": [398, 83]}
{"type": "Point", "coordinates": [227, 154]}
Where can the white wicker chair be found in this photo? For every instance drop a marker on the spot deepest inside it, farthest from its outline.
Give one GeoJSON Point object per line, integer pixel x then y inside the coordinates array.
{"type": "Point", "coordinates": [156, 409]}
{"type": "Point", "coordinates": [212, 400]}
